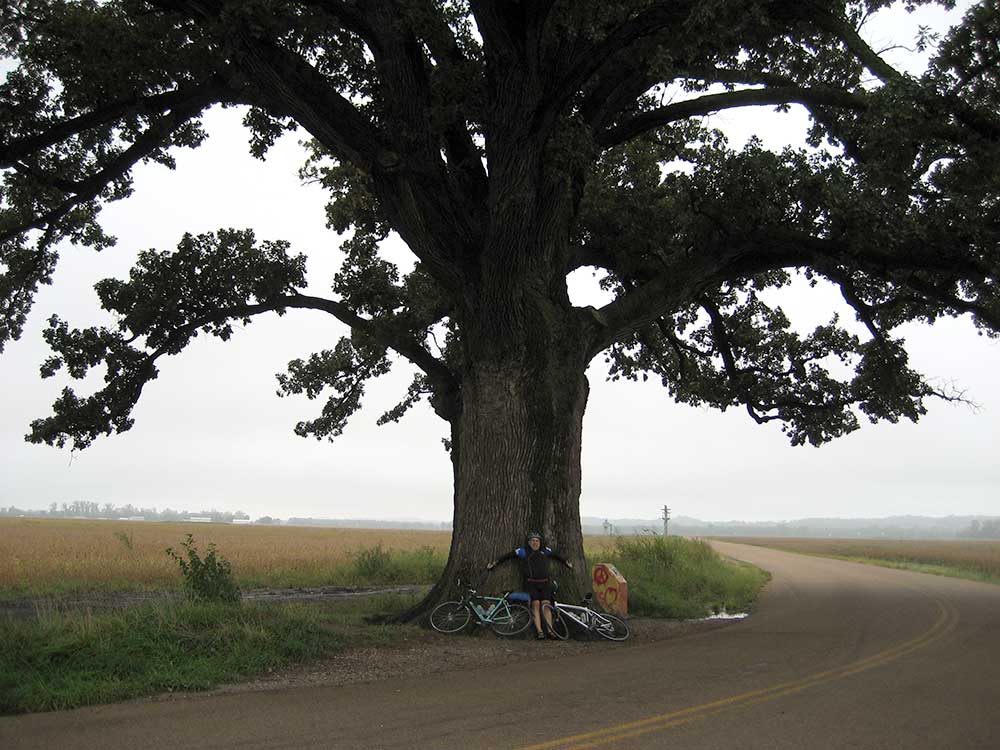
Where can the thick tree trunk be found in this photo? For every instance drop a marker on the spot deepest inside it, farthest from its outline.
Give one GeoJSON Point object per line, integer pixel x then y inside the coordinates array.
{"type": "Point", "coordinates": [516, 457]}
{"type": "Point", "coordinates": [518, 468]}
{"type": "Point", "coordinates": [517, 433]}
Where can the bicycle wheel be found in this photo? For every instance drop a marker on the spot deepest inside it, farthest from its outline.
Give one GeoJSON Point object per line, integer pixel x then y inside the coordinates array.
{"type": "Point", "coordinates": [513, 619]}
{"type": "Point", "coordinates": [610, 627]}
{"type": "Point", "coordinates": [560, 628]}
{"type": "Point", "coordinates": [449, 617]}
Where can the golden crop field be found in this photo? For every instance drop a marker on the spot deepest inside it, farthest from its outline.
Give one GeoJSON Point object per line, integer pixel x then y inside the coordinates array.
{"type": "Point", "coordinates": [45, 556]}
{"type": "Point", "coordinates": [974, 556]}
{"type": "Point", "coordinates": [51, 555]}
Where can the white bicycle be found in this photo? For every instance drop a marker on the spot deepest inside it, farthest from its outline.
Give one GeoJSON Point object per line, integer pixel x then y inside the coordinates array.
{"type": "Point", "coordinates": [587, 618]}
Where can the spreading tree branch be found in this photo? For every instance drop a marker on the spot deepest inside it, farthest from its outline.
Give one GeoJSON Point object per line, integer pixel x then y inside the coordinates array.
{"type": "Point", "coordinates": [688, 277]}
{"type": "Point", "coordinates": [839, 26]}
{"type": "Point", "coordinates": [93, 185]}
{"type": "Point", "coordinates": [213, 91]}
{"type": "Point", "coordinates": [704, 105]}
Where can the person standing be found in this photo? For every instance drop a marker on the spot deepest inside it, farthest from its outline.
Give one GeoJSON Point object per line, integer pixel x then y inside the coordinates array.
{"type": "Point", "coordinates": [533, 558]}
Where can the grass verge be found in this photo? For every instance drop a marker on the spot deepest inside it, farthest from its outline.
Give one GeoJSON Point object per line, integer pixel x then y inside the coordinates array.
{"type": "Point", "coordinates": [683, 578]}
{"type": "Point", "coordinates": [61, 661]}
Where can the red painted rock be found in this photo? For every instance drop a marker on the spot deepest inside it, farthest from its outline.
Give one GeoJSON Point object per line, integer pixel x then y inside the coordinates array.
{"type": "Point", "coordinates": [610, 589]}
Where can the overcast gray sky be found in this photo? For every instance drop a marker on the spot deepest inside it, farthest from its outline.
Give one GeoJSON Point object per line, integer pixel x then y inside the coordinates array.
{"type": "Point", "coordinates": [210, 432]}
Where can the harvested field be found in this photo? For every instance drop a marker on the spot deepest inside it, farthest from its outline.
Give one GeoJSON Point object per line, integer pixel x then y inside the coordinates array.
{"type": "Point", "coordinates": [976, 558]}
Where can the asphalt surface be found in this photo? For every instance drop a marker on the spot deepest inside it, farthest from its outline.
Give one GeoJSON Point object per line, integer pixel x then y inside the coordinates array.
{"type": "Point", "coordinates": [837, 655]}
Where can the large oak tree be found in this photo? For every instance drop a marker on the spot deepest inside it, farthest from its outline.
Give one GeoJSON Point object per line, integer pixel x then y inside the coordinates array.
{"type": "Point", "coordinates": [508, 144]}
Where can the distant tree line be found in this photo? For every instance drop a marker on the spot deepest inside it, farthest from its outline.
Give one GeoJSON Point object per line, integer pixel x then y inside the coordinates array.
{"type": "Point", "coordinates": [986, 529]}
{"type": "Point", "coordinates": [90, 509]}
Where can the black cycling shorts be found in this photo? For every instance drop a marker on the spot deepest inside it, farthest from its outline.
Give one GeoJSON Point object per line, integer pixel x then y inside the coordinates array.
{"type": "Point", "coordinates": [539, 591]}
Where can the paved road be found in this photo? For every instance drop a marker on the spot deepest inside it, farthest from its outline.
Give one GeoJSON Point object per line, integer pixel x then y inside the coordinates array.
{"type": "Point", "coordinates": [837, 656]}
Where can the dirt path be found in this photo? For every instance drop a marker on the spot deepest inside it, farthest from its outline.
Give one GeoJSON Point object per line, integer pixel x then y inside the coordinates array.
{"type": "Point", "coordinates": [111, 601]}
{"type": "Point", "coordinates": [421, 652]}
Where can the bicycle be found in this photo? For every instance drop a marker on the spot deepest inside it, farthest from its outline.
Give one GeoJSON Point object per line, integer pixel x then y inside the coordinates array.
{"type": "Point", "coordinates": [503, 615]}
{"type": "Point", "coordinates": [607, 626]}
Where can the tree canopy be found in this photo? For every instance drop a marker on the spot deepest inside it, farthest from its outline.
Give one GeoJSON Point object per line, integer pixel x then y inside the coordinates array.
{"type": "Point", "coordinates": [509, 144]}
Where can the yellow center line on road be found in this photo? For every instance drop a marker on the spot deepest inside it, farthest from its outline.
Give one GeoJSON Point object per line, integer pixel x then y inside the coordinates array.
{"type": "Point", "coordinates": [946, 622]}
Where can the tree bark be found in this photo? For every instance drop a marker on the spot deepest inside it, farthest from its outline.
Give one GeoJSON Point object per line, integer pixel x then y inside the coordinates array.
{"type": "Point", "coordinates": [516, 458]}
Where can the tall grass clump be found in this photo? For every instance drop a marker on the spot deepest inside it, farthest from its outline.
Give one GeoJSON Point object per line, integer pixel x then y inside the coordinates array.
{"type": "Point", "coordinates": [377, 566]}
{"type": "Point", "coordinates": [682, 578]}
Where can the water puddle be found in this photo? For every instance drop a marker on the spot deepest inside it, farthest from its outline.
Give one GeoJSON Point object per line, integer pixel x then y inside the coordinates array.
{"type": "Point", "coordinates": [727, 616]}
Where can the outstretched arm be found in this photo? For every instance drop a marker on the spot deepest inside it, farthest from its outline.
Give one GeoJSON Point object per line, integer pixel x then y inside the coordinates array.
{"type": "Point", "coordinates": [555, 555]}
{"type": "Point", "coordinates": [509, 556]}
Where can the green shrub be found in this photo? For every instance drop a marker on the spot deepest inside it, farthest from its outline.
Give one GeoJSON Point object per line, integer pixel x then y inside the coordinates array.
{"type": "Point", "coordinates": [682, 578]}
{"type": "Point", "coordinates": [209, 578]}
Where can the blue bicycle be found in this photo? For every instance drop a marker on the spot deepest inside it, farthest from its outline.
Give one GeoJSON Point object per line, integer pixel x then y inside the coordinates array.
{"type": "Point", "coordinates": [500, 613]}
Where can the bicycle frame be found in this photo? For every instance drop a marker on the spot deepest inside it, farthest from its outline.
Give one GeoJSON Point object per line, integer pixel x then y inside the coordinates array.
{"type": "Point", "coordinates": [585, 617]}
{"type": "Point", "coordinates": [588, 619]}
{"type": "Point", "coordinates": [472, 600]}
{"type": "Point", "coordinates": [503, 616]}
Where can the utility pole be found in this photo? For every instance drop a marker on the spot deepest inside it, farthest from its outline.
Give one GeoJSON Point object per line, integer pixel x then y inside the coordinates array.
{"type": "Point", "coordinates": [666, 517]}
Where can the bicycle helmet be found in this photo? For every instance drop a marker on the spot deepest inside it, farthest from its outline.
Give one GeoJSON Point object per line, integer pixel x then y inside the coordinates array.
{"type": "Point", "coordinates": [533, 535]}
